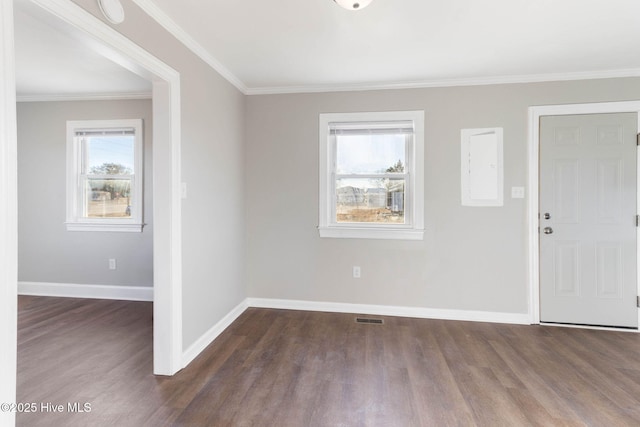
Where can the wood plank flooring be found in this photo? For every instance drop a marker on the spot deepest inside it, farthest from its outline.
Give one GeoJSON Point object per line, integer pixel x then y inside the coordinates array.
{"type": "Point", "coordinates": [292, 368]}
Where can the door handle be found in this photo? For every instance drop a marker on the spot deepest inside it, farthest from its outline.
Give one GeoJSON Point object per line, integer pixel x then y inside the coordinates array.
{"type": "Point", "coordinates": [547, 215]}
{"type": "Point", "coordinates": [547, 230]}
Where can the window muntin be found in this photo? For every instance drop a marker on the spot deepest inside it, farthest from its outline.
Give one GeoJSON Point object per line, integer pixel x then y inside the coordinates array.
{"type": "Point", "coordinates": [368, 175]}
{"type": "Point", "coordinates": [104, 175]}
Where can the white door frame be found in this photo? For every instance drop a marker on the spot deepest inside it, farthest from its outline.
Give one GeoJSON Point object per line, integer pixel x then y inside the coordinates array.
{"type": "Point", "coordinates": [533, 182]}
{"type": "Point", "coordinates": [8, 215]}
{"type": "Point", "coordinates": [167, 235]}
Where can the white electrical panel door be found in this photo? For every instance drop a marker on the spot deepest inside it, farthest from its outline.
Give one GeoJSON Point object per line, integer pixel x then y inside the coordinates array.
{"type": "Point", "coordinates": [481, 167]}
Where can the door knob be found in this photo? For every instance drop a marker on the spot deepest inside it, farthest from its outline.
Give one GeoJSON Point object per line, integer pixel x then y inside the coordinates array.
{"type": "Point", "coordinates": [547, 215]}
{"type": "Point", "coordinates": [547, 230]}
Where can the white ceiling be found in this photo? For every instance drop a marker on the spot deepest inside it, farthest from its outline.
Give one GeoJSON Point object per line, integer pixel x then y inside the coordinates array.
{"type": "Point", "coordinates": [54, 61]}
{"type": "Point", "coordinates": [300, 45]}
{"type": "Point", "coordinates": [315, 45]}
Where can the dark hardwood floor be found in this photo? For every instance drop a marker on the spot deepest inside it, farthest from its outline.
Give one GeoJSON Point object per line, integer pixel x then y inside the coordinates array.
{"type": "Point", "coordinates": [292, 368]}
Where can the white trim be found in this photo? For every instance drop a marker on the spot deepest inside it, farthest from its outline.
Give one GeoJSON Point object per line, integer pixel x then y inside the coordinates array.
{"type": "Point", "coordinates": [173, 28]}
{"type": "Point", "coordinates": [84, 97]}
{"type": "Point", "coordinates": [384, 310]}
{"type": "Point", "coordinates": [76, 195]}
{"type": "Point", "coordinates": [371, 233]}
{"type": "Point", "coordinates": [8, 214]}
{"type": "Point", "coordinates": [596, 328]}
{"type": "Point", "coordinates": [208, 337]}
{"type": "Point", "coordinates": [414, 185]}
{"type": "Point", "coordinates": [74, 290]}
{"type": "Point", "coordinates": [533, 143]}
{"type": "Point", "coordinates": [472, 81]}
{"type": "Point", "coordinates": [167, 235]}
{"type": "Point", "coordinates": [121, 228]}
{"type": "Point", "coordinates": [178, 32]}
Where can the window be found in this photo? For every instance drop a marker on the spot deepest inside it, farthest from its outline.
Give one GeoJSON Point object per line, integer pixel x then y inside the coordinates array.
{"type": "Point", "coordinates": [371, 175]}
{"type": "Point", "coordinates": [104, 175]}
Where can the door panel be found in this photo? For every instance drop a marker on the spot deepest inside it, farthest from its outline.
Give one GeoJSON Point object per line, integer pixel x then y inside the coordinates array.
{"type": "Point", "coordinates": [609, 174]}
{"type": "Point", "coordinates": [588, 242]}
{"type": "Point", "coordinates": [566, 191]}
{"type": "Point", "coordinates": [608, 268]}
{"type": "Point", "coordinates": [566, 261]}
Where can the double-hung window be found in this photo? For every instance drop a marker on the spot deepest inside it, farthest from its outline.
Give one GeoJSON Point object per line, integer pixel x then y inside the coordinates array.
{"type": "Point", "coordinates": [104, 175]}
{"type": "Point", "coordinates": [371, 175]}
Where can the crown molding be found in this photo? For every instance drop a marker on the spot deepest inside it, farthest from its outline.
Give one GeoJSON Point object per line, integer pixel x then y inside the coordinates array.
{"type": "Point", "coordinates": [84, 97]}
{"type": "Point", "coordinates": [479, 81]}
{"type": "Point", "coordinates": [173, 28]}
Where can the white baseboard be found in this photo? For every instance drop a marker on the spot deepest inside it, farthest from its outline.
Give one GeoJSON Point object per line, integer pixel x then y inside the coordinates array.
{"type": "Point", "coordinates": [71, 290]}
{"type": "Point", "coordinates": [383, 310]}
{"type": "Point", "coordinates": [207, 338]}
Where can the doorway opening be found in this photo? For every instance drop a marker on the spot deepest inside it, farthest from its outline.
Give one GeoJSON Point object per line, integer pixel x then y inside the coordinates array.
{"type": "Point", "coordinates": [167, 319]}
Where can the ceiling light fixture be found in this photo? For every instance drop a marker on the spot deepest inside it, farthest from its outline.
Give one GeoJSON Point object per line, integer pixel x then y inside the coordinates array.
{"type": "Point", "coordinates": [353, 4]}
{"type": "Point", "coordinates": [112, 10]}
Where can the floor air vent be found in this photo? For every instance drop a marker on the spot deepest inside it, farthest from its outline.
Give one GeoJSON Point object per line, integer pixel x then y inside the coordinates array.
{"type": "Point", "coordinates": [367, 320]}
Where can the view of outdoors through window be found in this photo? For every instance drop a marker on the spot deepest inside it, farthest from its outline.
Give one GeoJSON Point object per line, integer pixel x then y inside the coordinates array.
{"type": "Point", "coordinates": [108, 173]}
{"type": "Point", "coordinates": [370, 178]}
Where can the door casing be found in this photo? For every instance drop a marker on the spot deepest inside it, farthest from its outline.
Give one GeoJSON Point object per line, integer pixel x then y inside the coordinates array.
{"type": "Point", "coordinates": [535, 113]}
{"type": "Point", "coordinates": [167, 235]}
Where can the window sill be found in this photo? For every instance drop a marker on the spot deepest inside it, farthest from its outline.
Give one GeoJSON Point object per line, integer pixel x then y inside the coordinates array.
{"type": "Point", "coordinates": [371, 233]}
{"type": "Point", "coordinates": [120, 228]}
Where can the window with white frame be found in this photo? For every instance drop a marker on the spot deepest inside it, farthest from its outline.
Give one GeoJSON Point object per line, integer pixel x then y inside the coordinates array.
{"type": "Point", "coordinates": [371, 175]}
{"type": "Point", "coordinates": [104, 175]}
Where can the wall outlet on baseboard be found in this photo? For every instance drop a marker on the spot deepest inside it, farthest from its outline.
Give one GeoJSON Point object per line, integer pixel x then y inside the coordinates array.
{"type": "Point", "coordinates": [112, 263]}
{"type": "Point", "coordinates": [356, 272]}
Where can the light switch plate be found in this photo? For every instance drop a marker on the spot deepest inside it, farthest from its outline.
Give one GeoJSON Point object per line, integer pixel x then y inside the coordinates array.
{"type": "Point", "coordinates": [517, 192]}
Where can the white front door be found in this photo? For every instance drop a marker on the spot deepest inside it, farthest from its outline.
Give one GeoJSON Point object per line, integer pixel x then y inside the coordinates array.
{"type": "Point", "coordinates": [588, 219]}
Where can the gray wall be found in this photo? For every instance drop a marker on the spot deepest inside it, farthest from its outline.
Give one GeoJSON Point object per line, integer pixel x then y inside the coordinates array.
{"type": "Point", "coordinates": [46, 251]}
{"type": "Point", "coordinates": [471, 258]}
{"type": "Point", "coordinates": [244, 157]}
{"type": "Point", "coordinates": [212, 155]}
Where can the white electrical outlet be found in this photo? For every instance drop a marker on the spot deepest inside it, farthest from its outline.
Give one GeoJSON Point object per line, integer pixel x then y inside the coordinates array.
{"type": "Point", "coordinates": [356, 272]}
{"type": "Point", "coordinates": [112, 264]}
